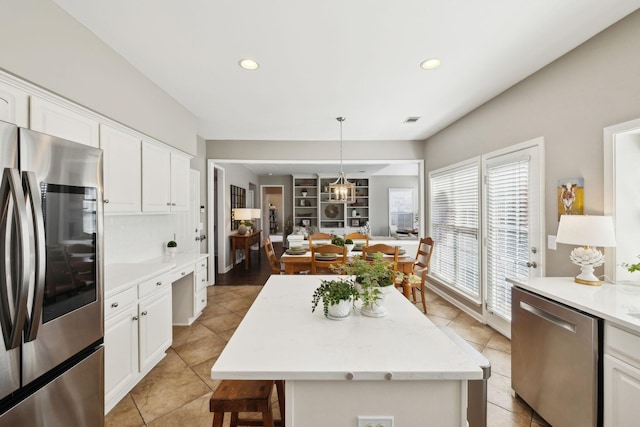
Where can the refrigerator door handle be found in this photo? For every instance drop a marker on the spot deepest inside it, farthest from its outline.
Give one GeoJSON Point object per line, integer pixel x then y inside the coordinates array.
{"type": "Point", "coordinates": [14, 291]}
{"type": "Point", "coordinates": [32, 192]}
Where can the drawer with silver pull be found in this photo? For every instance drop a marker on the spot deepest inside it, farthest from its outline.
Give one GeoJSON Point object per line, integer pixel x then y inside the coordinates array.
{"type": "Point", "coordinates": [119, 302]}
{"type": "Point", "coordinates": [155, 284]}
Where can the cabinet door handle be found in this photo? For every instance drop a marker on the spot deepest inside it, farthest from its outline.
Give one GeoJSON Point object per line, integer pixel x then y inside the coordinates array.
{"type": "Point", "coordinates": [168, 203]}
{"type": "Point", "coordinates": [144, 313]}
{"type": "Point", "coordinates": [202, 301]}
{"type": "Point", "coordinates": [158, 283]}
{"type": "Point", "coordinates": [173, 204]}
{"type": "Point", "coordinates": [114, 304]}
{"type": "Point", "coordinates": [106, 201]}
{"type": "Point", "coordinates": [135, 318]}
{"type": "Point", "coordinates": [182, 273]}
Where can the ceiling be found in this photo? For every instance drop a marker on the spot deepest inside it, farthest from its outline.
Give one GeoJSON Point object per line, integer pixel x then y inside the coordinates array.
{"type": "Point", "coordinates": [354, 58]}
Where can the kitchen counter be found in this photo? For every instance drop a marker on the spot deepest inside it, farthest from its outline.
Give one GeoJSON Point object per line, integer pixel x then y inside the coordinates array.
{"type": "Point", "coordinates": [379, 365]}
{"type": "Point", "coordinates": [615, 302]}
{"type": "Point", "coordinates": [121, 276]}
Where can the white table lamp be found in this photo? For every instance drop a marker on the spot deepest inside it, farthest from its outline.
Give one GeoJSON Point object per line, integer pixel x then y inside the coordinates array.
{"type": "Point", "coordinates": [242, 214]}
{"type": "Point", "coordinates": [588, 231]}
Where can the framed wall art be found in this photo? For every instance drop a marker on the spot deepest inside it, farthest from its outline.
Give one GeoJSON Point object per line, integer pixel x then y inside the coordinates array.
{"type": "Point", "coordinates": [570, 197]}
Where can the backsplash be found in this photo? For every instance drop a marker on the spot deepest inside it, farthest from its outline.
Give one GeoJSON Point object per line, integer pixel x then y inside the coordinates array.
{"type": "Point", "coordinates": [136, 238]}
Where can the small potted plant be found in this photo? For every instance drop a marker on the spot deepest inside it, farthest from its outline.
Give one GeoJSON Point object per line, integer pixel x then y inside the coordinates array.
{"type": "Point", "coordinates": [337, 240]}
{"type": "Point", "coordinates": [374, 280]}
{"type": "Point", "coordinates": [348, 243]}
{"type": "Point", "coordinates": [304, 192]}
{"type": "Point", "coordinates": [338, 297]}
{"type": "Point", "coordinates": [172, 247]}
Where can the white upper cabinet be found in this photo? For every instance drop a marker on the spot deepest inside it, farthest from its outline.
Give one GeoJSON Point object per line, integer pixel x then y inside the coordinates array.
{"type": "Point", "coordinates": [122, 171]}
{"type": "Point", "coordinates": [180, 177]}
{"type": "Point", "coordinates": [14, 105]}
{"type": "Point", "coordinates": [156, 178]}
{"type": "Point", "coordinates": [56, 120]}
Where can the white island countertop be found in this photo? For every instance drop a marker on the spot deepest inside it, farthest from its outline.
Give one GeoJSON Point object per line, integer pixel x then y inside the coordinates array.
{"type": "Point", "coordinates": [615, 302]}
{"type": "Point", "coordinates": [121, 276]}
{"type": "Point", "coordinates": [280, 338]}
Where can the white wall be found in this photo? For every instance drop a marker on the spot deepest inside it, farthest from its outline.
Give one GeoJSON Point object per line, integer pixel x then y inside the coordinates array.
{"type": "Point", "coordinates": [44, 45]}
{"type": "Point", "coordinates": [568, 103]}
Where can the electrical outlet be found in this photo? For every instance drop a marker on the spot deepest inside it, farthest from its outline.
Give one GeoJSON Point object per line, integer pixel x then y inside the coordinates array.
{"type": "Point", "coordinates": [377, 421]}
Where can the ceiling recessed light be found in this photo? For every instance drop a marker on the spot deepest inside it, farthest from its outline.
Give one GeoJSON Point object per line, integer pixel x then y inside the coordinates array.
{"type": "Point", "coordinates": [249, 64]}
{"type": "Point", "coordinates": [430, 64]}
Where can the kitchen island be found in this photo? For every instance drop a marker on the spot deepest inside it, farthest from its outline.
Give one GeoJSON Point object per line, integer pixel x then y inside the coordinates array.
{"type": "Point", "coordinates": [401, 365]}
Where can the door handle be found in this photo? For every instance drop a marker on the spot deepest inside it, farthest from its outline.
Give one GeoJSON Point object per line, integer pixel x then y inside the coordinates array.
{"type": "Point", "coordinates": [32, 192]}
{"type": "Point", "coordinates": [13, 216]}
{"type": "Point", "coordinates": [552, 318]}
{"type": "Point", "coordinates": [532, 264]}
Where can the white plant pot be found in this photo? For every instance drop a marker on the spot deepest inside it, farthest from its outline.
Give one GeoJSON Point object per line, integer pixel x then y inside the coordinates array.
{"type": "Point", "coordinates": [172, 251]}
{"type": "Point", "coordinates": [339, 311]}
{"type": "Point", "coordinates": [377, 308]}
{"type": "Point", "coordinates": [349, 247]}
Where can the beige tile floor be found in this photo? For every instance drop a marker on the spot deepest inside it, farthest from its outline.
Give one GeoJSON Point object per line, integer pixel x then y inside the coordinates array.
{"type": "Point", "coordinates": [177, 391]}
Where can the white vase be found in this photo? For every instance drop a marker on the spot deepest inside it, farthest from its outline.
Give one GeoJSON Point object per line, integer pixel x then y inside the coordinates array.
{"type": "Point", "coordinates": [172, 251]}
{"type": "Point", "coordinates": [349, 247]}
{"type": "Point", "coordinates": [377, 308]}
{"type": "Point", "coordinates": [339, 311]}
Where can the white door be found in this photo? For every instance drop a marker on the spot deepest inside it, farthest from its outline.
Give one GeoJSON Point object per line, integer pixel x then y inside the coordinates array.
{"type": "Point", "coordinates": [512, 225]}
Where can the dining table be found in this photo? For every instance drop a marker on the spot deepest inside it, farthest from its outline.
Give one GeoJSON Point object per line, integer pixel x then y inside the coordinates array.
{"type": "Point", "coordinates": [296, 262]}
{"type": "Point", "coordinates": [400, 366]}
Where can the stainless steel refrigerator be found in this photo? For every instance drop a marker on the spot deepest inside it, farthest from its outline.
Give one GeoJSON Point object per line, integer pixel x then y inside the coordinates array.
{"type": "Point", "coordinates": [51, 291]}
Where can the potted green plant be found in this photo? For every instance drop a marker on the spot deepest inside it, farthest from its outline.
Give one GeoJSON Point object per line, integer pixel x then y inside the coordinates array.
{"type": "Point", "coordinates": [374, 280]}
{"type": "Point", "coordinates": [338, 296]}
{"type": "Point", "coordinates": [172, 247]}
{"type": "Point", "coordinates": [632, 267]}
{"type": "Point", "coordinates": [337, 240]}
{"type": "Point", "coordinates": [348, 243]}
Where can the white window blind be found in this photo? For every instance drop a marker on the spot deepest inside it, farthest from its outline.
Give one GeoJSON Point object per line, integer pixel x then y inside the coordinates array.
{"type": "Point", "coordinates": [507, 198]}
{"type": "Point", "coordinates": [454, 204]}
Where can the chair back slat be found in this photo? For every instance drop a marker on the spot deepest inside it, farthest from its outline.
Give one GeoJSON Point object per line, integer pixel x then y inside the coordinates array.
{"type": "Point", "coordinates": [326, 266]}
{"type": "Point", "coordinates": [271, 256]}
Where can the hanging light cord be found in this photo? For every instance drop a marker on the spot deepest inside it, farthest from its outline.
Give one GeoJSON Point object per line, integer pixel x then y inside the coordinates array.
{"type": "Point", "coordinates": [340, 119]}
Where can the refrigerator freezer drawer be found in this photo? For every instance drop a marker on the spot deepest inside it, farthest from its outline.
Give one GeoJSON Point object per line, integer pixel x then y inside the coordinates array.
{"type": "Point", "coordinates": [75, 398]}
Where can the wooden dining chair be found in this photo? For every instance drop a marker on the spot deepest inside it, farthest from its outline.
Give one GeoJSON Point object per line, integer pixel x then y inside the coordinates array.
{"type": "Point", "coordinates": [358, 238]}
{"type": "Point", "coordinates": [319, 236]}
{"type": "Point", "coordinates": [327, 266]}
{"type": "Point", "coordinates": [276, 267]}
{"type": "Point", "coordinates": [384, 249]}
{"type": "Point", "coordinates": [421, 269]}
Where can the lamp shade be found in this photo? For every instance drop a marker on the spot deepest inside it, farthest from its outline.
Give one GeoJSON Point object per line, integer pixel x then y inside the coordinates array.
{"type": "Point", "coordinates": [586, 230]}
{"type": "Point", "coordinates": [256, 213]}
{"type": "Point", "coordinates": [241, 214]}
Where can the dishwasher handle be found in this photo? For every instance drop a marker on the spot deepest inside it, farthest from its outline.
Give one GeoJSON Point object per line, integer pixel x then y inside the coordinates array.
{"type": "Point", "coordinates": [552, 318]}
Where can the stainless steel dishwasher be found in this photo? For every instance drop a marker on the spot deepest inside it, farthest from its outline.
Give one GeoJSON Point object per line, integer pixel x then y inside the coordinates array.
{"type": "Point", "coordinates": [556, 358]}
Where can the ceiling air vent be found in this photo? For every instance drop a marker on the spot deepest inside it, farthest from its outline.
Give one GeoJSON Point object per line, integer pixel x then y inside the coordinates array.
{"type": "Point", "coordinates": [412, 119]}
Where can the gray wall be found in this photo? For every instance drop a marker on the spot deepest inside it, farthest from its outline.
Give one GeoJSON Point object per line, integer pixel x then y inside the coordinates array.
{"type": "Point", "coordinates": [568, 103]}
{"type": "Point", "coordinates": [41, 43]}
{"type": "Point", "coordinates": [379, 199]}
{"type": "Point", "coordinates": [314, 150]}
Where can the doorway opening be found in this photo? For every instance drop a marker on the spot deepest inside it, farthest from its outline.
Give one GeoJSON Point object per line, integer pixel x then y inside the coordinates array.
{"type": "Point", "coordinates": [272, 206]}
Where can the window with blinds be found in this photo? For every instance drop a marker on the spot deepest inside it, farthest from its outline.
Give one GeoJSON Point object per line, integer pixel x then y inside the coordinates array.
{"type": "Point", "coordinates": [454, 202]}
{"type": "Point", "coordinates": [507, 233]}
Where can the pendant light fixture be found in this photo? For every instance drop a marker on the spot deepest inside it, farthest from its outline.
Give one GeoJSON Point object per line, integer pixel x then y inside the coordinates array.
{"type": "Point", "coordinates": [342, 191]}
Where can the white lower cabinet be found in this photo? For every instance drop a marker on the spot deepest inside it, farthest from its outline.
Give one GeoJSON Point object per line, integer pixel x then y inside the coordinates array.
{"type": "Point", "coordinates": [621, 377]}
{"type": "Point", "coordinates": [121, 352]}
{"type": "Point", "coordinates": [155, 328]}
{"type": "Point", "coordinates": [138, 331]}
